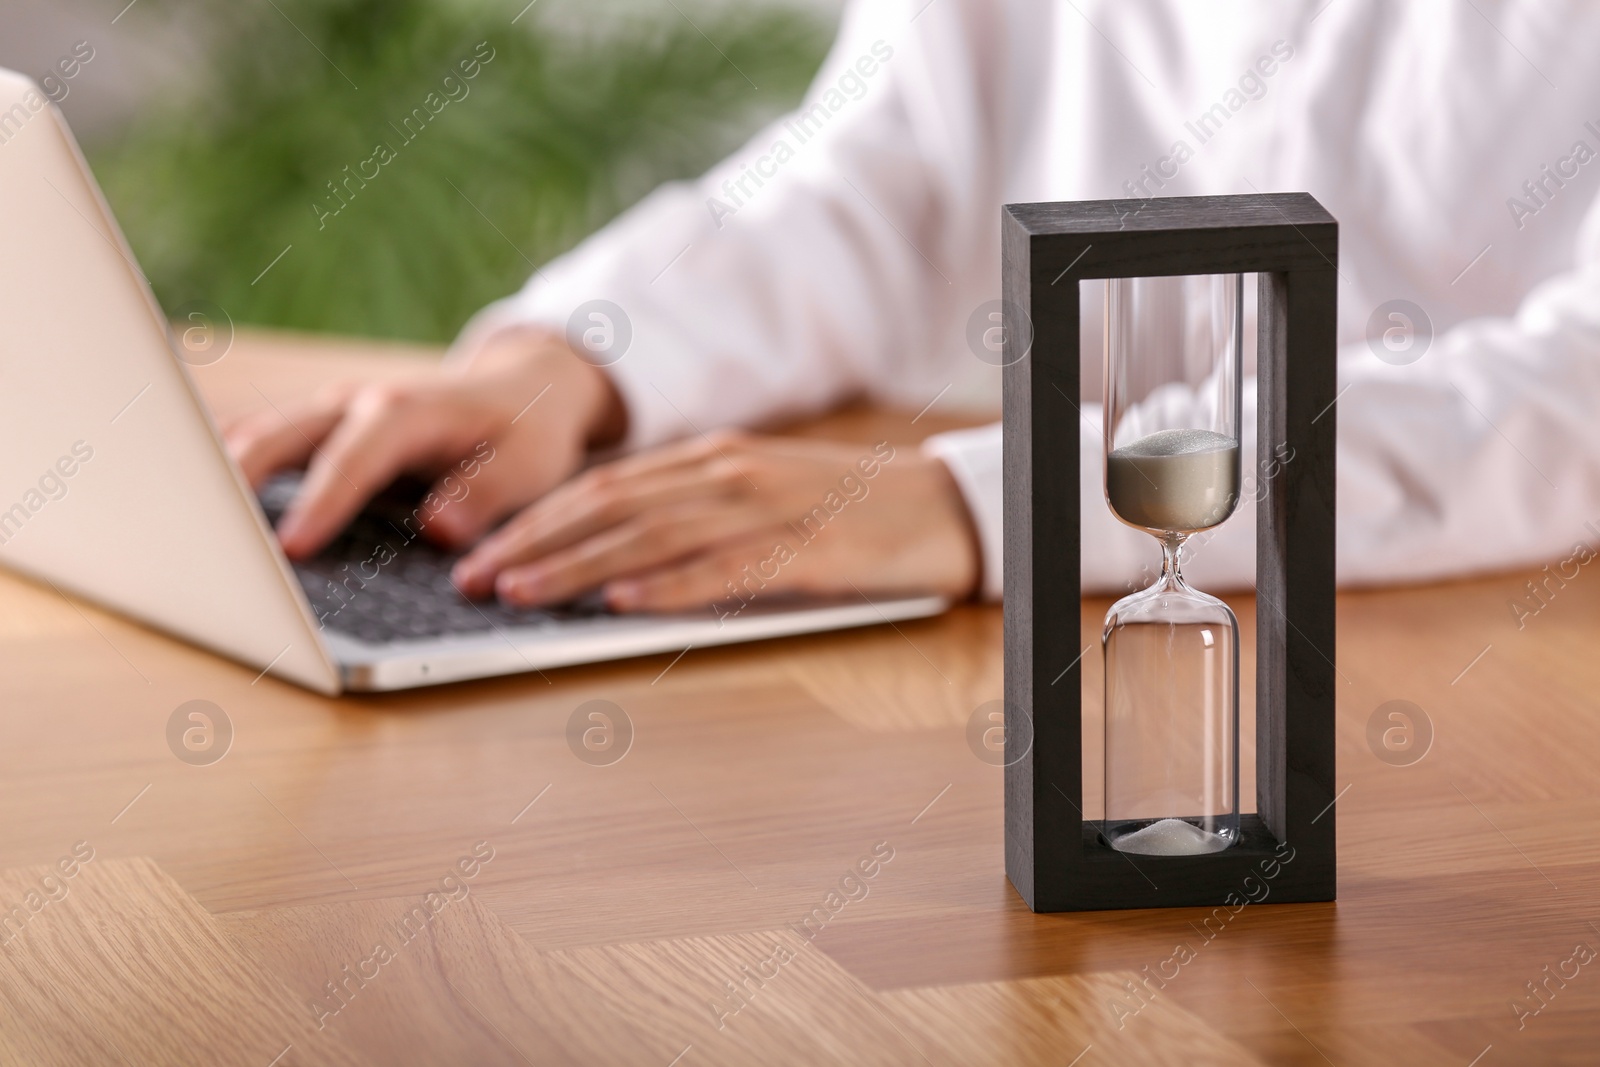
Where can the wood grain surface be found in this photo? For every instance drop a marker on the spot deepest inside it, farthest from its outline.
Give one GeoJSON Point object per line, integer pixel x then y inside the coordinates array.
{"type": "Point", "coordinates": [702, 899]}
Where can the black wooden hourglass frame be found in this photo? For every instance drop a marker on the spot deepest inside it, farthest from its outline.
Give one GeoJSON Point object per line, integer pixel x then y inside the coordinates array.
{"type": "Point", "coordinates": [1056, 858]}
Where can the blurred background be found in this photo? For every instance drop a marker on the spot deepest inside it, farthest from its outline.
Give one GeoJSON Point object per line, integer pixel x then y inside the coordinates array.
{"type": "Point", "coordinates": [221, 130]}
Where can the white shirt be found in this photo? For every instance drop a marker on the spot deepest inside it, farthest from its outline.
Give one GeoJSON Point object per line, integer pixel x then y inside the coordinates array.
{"type": "Point", "coordinates": [844, 249]}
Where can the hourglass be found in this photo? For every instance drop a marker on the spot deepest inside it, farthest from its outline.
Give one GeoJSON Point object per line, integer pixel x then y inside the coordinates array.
{"type": "Point", "coordinates": [1175, 831]}
{"type": "Point", "coordinates": [1171, 430]}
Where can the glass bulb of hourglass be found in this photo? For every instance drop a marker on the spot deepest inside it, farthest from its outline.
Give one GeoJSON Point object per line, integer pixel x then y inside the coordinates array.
{"type": "Point", "coordinates": [1176, 481]}
{"type": "Point", "coordinates": [1171, 652]}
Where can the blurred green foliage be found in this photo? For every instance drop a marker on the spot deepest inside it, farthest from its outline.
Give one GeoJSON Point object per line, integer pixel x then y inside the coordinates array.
{"type": "Point", "coordinates": [562, 129]}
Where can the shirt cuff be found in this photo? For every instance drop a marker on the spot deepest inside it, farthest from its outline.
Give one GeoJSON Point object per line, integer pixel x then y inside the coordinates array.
{"type": "Point", "coordinates": [974, 461]}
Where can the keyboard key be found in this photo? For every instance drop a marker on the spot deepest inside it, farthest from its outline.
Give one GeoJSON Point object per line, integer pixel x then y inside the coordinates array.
{"type": "Point", "coordinates": [411, 595]}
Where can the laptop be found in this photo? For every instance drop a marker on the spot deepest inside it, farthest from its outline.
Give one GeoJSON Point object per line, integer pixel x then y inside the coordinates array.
{"type": "Point", "coordinates": [115, 485]}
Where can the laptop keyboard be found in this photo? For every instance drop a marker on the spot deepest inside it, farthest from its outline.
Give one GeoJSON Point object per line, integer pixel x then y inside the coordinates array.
{"type": "Point", "coordinates": [380, 581]}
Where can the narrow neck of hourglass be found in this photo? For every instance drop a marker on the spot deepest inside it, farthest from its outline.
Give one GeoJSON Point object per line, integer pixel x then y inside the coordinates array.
{"type": "Point", "coordinates": [1172, 560]}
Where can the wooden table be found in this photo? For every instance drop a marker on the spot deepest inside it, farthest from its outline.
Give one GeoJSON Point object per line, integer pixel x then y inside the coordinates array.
{"type": "Point", "coordinates": [653, 911]}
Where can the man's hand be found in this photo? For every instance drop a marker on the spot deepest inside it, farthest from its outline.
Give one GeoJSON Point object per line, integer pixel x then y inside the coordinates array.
{"type": "Point", "coordinates": [525, 393]}
{"type": "Point", "coordinates": [735, 515]}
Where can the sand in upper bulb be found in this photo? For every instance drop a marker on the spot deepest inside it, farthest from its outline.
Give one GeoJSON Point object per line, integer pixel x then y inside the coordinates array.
{"type": "Point", "coordinates": [1179, 480]}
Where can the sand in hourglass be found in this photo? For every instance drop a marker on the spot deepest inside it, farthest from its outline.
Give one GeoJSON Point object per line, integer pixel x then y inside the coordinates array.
{"type": "Point", "coordinates": [1180, 480]}
{"type": "Point", "coordinates": [1170, 716]}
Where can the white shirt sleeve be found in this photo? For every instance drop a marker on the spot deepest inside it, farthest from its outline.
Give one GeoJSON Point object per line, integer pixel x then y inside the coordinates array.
{"type": "Point", "coordinates": [1483, 454]}
{"type": "Point", "coordinates": [973, 458]}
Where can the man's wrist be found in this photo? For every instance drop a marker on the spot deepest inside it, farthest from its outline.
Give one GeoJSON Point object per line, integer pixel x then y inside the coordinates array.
{"type": "Point", "coordinates": [543, 358]}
